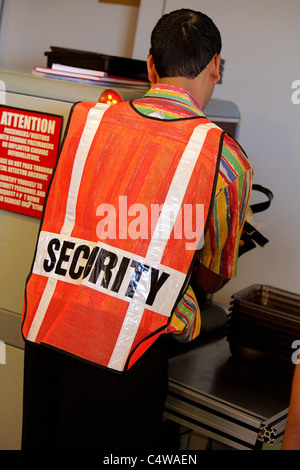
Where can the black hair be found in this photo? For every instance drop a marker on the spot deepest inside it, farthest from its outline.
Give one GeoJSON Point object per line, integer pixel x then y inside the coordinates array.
{"type": "Point", "coordinates": [183, 43]}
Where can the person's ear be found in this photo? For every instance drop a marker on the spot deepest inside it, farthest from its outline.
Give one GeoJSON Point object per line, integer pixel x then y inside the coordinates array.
{"type": "Point", "coordinates": [215, 76]}
{"type": "Point", "coordinates": [152, 74]}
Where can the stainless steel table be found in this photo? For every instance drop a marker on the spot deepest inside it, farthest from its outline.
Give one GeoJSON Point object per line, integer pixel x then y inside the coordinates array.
{"type": "Point", "coordinates": [237, 402]}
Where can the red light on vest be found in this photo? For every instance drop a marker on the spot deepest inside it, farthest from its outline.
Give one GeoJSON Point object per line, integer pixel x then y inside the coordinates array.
{"type": "Point", "coordinates": [110, 97]}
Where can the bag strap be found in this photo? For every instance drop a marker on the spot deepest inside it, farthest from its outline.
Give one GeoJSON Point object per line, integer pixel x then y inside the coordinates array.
{"type": "Point", "coordinates": [262, 206]}
{"type": "Point", "coordinates": [251, 235]}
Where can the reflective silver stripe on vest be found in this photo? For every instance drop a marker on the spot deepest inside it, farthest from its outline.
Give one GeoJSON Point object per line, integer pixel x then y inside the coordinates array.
{"type": "Point", "coordinates": [94, 118]}
{"type": "Point", "coordinates": [157, 245]}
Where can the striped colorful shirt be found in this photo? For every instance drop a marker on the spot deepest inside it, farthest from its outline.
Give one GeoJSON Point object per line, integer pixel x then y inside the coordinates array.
{"type": "Point", "coordinates": [221, 243]}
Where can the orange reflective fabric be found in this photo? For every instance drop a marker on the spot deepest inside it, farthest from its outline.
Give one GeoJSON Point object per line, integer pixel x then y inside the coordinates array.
{"type": "Point", "coordinates": [130, 156]}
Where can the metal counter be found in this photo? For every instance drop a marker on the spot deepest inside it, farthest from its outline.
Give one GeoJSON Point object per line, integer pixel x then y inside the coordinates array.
{"type": "Point", "coordinates": [231, 400]}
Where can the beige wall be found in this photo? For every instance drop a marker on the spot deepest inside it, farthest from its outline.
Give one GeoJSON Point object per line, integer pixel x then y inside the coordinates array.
{"type": "Point", "coordinates": [30, 27]}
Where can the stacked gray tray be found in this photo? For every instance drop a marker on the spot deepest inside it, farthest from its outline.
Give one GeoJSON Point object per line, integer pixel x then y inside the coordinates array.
{"type": "Point", "coordinates": [265, 326]}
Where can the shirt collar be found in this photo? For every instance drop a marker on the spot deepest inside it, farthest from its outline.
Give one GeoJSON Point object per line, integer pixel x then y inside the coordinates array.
{"type": "Point", "coordinates": [175, 95]}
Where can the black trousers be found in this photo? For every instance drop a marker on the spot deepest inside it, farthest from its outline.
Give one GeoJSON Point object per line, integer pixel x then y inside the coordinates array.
{"type": "Point", "coordinates": [70, 404]}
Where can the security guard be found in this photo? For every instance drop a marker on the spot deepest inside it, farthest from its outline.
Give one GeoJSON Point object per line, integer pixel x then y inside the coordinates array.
{"type": "Point", "coordinates": [120, 244]}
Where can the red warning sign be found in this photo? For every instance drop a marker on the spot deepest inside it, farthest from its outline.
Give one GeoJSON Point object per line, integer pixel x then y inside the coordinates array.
{"type": "Point", "coordinates": [29, 143]}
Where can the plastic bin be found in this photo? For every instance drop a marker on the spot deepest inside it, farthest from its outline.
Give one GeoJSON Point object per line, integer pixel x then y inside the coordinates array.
{"type": "Point", "coordinates": [264, 323]}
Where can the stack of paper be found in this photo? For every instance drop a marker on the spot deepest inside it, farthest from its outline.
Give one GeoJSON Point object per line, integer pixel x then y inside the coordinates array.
{"type": "Point", "coordinates": [66, 72]}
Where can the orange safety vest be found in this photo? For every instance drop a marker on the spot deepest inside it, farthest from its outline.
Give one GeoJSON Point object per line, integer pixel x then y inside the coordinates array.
{"type": "Point", "coordinates": [116, 245]}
